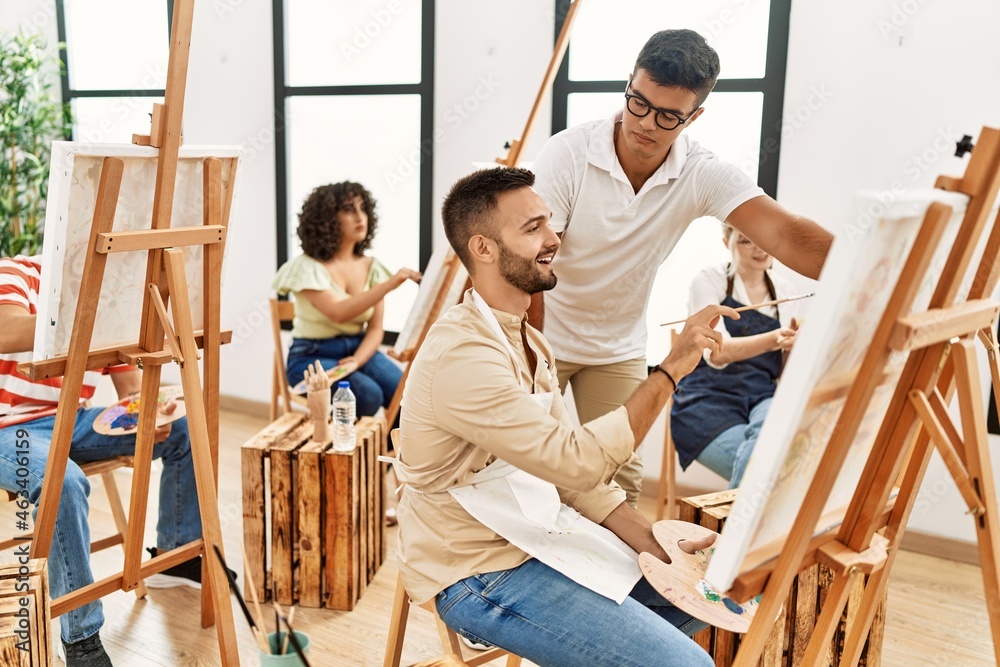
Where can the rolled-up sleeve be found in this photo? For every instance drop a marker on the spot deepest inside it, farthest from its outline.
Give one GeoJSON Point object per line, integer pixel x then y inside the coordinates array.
{"type": "Point", "coordinates": [498, 415]}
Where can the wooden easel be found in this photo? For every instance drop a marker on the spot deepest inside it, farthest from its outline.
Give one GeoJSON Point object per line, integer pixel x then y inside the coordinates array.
{"type": "Point", "coordinates": [165, 277]}
{"type": "Point", "coordinates": [941, 359]}
{"type": "Point", "coordinates": [451, 263]}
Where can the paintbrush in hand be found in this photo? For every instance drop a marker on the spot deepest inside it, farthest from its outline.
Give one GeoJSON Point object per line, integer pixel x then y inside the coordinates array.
{"type": "Point", "coordinates": [254, 629]}
{"type": "Point", "coordinates": [754, 306]}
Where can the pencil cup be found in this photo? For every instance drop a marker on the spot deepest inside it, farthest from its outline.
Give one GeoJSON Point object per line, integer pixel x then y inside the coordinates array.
{"type": "Point", "coordinates": [289, 659]}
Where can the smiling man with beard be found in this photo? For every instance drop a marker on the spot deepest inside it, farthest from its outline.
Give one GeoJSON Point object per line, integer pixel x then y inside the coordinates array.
{"type": "Point", "coordinates": [510, 519]}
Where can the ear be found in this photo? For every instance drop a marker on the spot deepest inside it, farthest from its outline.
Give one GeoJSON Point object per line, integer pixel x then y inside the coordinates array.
{"type": "Point", "coordinates": [695, 116]}
{"type": "Point", "coordinates": [483, 249]}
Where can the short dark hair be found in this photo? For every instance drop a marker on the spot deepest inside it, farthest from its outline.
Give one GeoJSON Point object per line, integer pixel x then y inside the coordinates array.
{"type": "Point", "coordinates": [470, 205]}
{"type": "Point", "coordinates": [680, 58]}
{"type": "Point", "coordinates": [318, 230]}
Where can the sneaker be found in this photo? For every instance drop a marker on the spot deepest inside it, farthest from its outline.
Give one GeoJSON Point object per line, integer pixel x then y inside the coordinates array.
{"type": "Point", "coordinates": [87, 652]}
{"type": "Point", "coordinates": [476, 646]}
{"type": "Point", "coordinates": [187, 573]}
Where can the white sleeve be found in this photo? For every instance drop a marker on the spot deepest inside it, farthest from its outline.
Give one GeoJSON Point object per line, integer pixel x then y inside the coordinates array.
{"type": "Point", "coordinates": [555, 180]}
{"type": "Point", "coordinates": [723, 187]}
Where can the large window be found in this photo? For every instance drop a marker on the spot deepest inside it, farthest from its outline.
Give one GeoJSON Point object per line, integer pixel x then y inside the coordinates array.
{"type": "Point", "coordinates": [742, 118]}
{"type": "Point", "coordinates": [112, 96]}
{"type": "Point", "coordinates": [354, 98]}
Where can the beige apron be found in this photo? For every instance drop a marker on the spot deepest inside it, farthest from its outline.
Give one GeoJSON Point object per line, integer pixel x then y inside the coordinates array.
{"type": "Point", "coordinates": [527, 512]}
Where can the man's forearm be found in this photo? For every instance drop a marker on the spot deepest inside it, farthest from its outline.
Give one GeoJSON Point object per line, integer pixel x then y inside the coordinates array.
{"type": "Point", "coordinates": [634, 530]}
{"type": "Point", "coordinates": [805, 247]}
{"type": "Point", "coordinates": [646, 403]}
{"type": "Point", "coordinates": [18, 332]}
{"type": "Point", "coordinates": [126, 383]}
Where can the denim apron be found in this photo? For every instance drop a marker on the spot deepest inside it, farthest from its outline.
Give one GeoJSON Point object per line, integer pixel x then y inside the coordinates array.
{"type": "Point", "coordinates": [709, 400]}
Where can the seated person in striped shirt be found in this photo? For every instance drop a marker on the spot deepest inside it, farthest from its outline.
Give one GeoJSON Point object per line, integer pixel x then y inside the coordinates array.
{"type": "Point", "coordinates": [27, 418]}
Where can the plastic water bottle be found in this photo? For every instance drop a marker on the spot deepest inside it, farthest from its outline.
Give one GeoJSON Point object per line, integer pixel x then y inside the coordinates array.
{"type": "Point", "coordinates": [344, 409]}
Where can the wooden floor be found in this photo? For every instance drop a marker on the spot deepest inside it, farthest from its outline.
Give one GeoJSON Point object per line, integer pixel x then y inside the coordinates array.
{"type": "Point", "coordinates": [936, 616]}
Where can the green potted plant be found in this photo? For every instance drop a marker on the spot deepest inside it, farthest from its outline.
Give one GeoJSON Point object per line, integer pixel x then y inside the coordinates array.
{"type": "Point", "coordinates": [31, 117]}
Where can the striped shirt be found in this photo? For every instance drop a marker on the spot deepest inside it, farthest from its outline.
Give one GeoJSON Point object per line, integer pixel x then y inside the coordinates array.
{"type": "Point", "coordinates": [22, 399]}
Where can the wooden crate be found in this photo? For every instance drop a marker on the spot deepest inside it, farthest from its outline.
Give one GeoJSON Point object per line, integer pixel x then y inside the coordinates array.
{"type": "Point", "coordinates": [313, 526]}
{"type": "Point", "coordinates": [25, 614]}
{"type": "Point", "coordinates": [790, 635]}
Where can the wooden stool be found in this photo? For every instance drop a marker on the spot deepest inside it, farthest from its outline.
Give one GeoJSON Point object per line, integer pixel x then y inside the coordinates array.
{"type": "Point", "coordinates": [106, 470]}
{"type": "Point", "coordinates": [282, 398]}
{"type": "Point", "coordinates": [24, 614]}
{"type": "Point", "coordinates": [449, 638]}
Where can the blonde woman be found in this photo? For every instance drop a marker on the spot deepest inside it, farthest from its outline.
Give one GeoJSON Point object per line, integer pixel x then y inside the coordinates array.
{"type": "Point", "coordinates": [719, 408]}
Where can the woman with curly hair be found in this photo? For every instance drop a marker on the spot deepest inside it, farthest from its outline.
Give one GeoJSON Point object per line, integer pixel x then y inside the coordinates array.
{"type": "Point", "coordinates": [338, 293]}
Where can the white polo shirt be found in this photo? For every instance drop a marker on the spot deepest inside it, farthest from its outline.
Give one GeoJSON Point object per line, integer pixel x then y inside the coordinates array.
{"type": "Point", "coordinates": [615, 239]}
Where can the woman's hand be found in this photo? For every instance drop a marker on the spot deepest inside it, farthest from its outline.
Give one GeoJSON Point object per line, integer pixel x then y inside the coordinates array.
{"type": "Point", "coordinates": [403, 275]}
{"type": "Point", "coordinates": [348, 362]}
{"type": "Point", "coordinates": [784, 338]}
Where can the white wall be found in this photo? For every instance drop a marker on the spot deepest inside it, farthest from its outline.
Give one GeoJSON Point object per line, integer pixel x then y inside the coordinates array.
{"type": "Point", "coordinates": [861, 111]}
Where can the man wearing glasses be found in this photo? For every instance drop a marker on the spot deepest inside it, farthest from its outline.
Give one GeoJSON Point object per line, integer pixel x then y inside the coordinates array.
{"type": "Point", "coordinates": [622, 192]}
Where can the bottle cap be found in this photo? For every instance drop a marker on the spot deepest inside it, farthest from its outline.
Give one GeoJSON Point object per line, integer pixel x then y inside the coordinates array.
{"type": "Point", "coordinates": [343, 384]}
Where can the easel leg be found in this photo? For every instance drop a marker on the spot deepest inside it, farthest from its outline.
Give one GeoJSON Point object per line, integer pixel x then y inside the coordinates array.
{"type": "Point", "coordinates": [118, 513]}
{"type": "Point", "coordinates": [211, 323]}
{"type": "Point", "coordinates": [829, 618]}
{"type": "Point", "coordinates": [981, 473]}
{"type": "Point", "coordinates": [208, 501]}
{"type": "Point", "coordinates": [142, 467]}
{"type": "Point", "coordinates": [76, 366]}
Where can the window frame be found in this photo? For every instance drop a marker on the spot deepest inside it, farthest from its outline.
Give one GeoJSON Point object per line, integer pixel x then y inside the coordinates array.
{"type": "Point", "coordinates": [69, 94]}
{"type": "Point", "coordinates": [425, 89]}
{"type": "Point", "coordinates": [772, 86]}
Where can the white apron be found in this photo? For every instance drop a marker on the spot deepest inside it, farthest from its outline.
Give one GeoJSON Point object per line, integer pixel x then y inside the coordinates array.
{"type": "Point", "coordinates": [527, 512]}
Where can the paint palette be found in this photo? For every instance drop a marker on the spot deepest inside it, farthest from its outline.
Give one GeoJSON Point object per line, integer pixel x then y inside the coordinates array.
{"type": "Point", "coordinates": [682, 581]}
{"type": "Point", "coordinates": [336, 374]}
{"type": "Point", "coordinates": [122, 418]}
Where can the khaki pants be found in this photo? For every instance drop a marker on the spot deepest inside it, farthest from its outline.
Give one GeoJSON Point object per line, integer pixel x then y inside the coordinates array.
{"type": "Point", "coordinates": [597, 390]}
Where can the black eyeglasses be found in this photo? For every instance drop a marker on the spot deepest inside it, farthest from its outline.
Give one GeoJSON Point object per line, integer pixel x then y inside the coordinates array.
{"type": "Point", "coordinates": [665, 120]}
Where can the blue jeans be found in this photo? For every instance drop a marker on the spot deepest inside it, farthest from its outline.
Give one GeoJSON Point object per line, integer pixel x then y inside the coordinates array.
{"type": "Point", "coordinates": [547, 618]}
{"type": "Point", "coordinates": [69, 558]}
{"type": "Point", "coordinates": [372, 385]}
{"type": "Point", "coordinates": [728, 454]}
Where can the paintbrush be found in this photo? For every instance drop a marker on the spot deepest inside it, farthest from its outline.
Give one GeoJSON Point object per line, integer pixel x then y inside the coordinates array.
{"type": "Point", "coordinates": [291, 636]}
{"type": "Point", "coordinates": [284, 644]}
{"type": "Point", "coordinates": [256, 601]}
{"type": "Point", "coordinates": [277, 613]}
{"type": "Point", "coordinates": [254, 629]}
{"type": "Point", "coordinates": [754, 307]}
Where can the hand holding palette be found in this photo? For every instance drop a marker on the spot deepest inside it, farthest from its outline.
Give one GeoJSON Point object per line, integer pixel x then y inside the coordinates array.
{"type": "Point", "coordinates": [122, 418]}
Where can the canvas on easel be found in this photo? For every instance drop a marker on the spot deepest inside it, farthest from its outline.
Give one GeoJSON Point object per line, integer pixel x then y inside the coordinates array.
{"type": "Point", "coordinates": [73, 183]}
{"type": "Point", "coordinates": [923, 350]}
{"type": "Point", "coordinates": [166, 334]}
{"type": "Point", "coordinates": [857, 281]}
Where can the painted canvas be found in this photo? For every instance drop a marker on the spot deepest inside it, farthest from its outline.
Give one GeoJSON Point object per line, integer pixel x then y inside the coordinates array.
{"type": "Point", "coordinates": [857, 281]}
{"type": "Point", "coordinates": [73, 183]}
{"type": "Point", "coordinates": [431, 284]}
